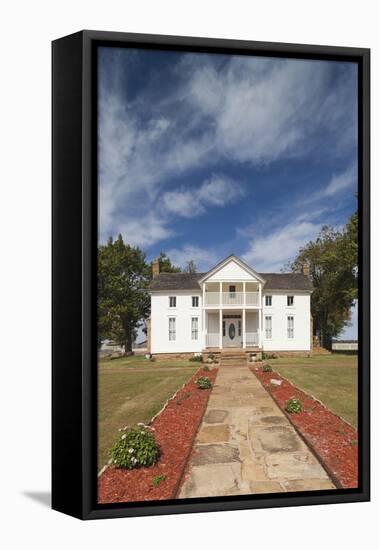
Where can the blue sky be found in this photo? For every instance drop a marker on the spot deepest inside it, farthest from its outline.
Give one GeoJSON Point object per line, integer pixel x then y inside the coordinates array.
{"type": "Point", "coordinates": [204, 155]}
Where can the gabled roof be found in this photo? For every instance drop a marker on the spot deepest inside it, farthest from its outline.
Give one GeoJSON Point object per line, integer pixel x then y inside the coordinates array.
{"type": "Point", "coordinates": [287, 281]}
{"type": "Point", "coordinates": [192, 281]}
{"type": "Point", "coordinates": [224, 262]}
{"type": "Point", "coordinates": [176, 281]}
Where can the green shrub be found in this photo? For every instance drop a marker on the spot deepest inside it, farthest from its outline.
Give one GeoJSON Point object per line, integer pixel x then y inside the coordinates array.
{"type": "Point", "coordinates": [196, 358]}
{"type": "Point", "coordinates": [157, 479]}
{"type": "Point", "coordinates": [264, 356]}
{"type": "Point", "coordinates": [206, 368]}
{"type": "Point", "coordinates": [136, 447]}
{"type": "Point", "coordinates": [203, 383]}
{"type": "Point", "coordinates": [267, 368]}
{"type": "Point", "coordinates": [293, 405]}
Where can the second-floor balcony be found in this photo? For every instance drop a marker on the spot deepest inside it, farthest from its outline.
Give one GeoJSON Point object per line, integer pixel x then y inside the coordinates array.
{"type": "Point", "coordinates": [232, 298]}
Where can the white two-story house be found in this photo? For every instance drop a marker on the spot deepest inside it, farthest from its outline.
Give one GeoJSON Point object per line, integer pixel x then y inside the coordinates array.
{"type": "Point", "coordinates": [230, 306]}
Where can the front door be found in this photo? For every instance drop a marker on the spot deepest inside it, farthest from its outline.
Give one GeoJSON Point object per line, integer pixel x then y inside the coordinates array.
{"type": "Point", "coordinates": [231, 333]}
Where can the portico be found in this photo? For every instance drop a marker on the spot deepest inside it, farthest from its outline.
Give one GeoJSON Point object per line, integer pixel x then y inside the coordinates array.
{"type": "Point", "coordinates": [232, 306]}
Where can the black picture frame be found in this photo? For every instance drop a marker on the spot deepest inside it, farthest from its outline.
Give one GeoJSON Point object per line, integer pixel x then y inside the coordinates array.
{"type": "Point", "coordinates": [74, 205]}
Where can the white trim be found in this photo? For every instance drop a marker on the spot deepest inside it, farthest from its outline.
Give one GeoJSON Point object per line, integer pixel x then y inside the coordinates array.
{"type": "Point", "coordinates": [227, 260]}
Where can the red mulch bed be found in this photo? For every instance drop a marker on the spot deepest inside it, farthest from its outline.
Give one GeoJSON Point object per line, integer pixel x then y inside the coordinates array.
{"type": "Point", "coordinates": [175, 430]}
{"type": "Point", "coordinates": [332, 439]}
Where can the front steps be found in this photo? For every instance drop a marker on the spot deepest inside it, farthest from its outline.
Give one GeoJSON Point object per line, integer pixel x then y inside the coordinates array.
{"type": "Point", "coordinates": [235, 357]}
{"type": "Point", "coordinates": [232, 356]}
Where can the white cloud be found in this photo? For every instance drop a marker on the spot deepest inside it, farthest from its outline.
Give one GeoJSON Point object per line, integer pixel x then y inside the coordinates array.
{"type": "Point", "coordinates": [271, 252]}
{"type": "Point", "coordinates": [219, 190]}
{"type": "Point", "coordinates": [344, 182]}
{"type": "Point", "coordinates": [203, 258]}
{"type": "Point", "coordinates": [341, 182]}
{"type": "Point", "coordinates": [144, 231]}
{"type": "Point", "coordinates": [244, 110]}
{"type": "Point", "coordinates": [262, 110]}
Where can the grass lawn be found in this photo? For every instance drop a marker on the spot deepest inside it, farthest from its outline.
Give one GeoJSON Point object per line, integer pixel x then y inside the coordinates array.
{"type": "Point", "coordinates": [131, 390]}
{"type": "Point", "coordinates": [330, 378]}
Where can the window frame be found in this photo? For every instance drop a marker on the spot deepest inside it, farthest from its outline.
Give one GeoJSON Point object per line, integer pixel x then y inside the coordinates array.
{"type": "Point", "coordinates": [290, 330]}
{"type": "Point", "coordinates": [169, 302]}
{"type": "Point", "coordinates": [289, 297]}
{"type": "Point", "coordinates": [268, 329]}
{"type": "Point", "coordinates": [268, 296]}
{"type": "Point", "coordinates": [196, 330]}
{"type": "Point", "coordinates": [196, 299]}
{"type": "Point", "coordinates": [171, 332]}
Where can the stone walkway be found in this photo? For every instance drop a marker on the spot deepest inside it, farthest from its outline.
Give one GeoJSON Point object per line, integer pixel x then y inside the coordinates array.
{"type": "Point", "coordinates": [246, 445]}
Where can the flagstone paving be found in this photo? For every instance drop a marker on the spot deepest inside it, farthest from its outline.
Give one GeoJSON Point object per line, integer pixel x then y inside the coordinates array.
{"type": "Point", "coordinates": [246, 445]}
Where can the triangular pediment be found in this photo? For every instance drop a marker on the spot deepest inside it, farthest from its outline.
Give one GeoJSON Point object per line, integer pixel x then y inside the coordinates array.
{"type": "Point", "coordinates": [232, 269]}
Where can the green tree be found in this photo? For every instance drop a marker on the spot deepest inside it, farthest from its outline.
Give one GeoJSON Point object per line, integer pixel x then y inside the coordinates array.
{"type": "Point", "coordinates": [123, 300]}
{"type": "Point", "coordinates": [191, 267]}
{"type": "Point", "coordinates": [165, 264]}
{"type": "Point", "coordinates": [333, 263]}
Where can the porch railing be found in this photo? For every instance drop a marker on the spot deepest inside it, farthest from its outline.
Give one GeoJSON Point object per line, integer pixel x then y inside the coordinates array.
{"type": "Point", "coordinates": [252, 339]}
{"type": "Point", "coordinates": [212, 340]}
{"type": "Point", "coordinates": [231, 298]}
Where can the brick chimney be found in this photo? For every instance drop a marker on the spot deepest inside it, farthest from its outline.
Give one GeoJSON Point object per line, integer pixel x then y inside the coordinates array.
{"type": "Point", "coordinates": [305, 269]}
{"type": "Point", "coordinates": [155, 267]}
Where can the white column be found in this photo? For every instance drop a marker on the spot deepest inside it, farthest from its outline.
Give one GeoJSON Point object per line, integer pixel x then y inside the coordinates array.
{"type": "Point", "coordinates": [244, 328]}
{"type": "Point", "coordinates": [244, 293]}
{"type": "Point", "coordinates": [220, 293]}
{"type": "Point", "coordinates": [260, 316]}
{"type": "Point", "coordinates": [204, 330]}
{"type": "Point", "coordinates": [203, 319]}
{"type": "Point", "coordinates": [220, 314]}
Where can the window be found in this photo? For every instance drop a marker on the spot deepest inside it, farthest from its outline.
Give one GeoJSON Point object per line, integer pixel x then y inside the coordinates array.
{"type": "Point", "coordinates": [195, 328]}
{"type": "Point", "coordinates": [239, 328]}
{"type": "Point", "coordinates": [290, 300]}
{"type": "Point", "coordinates": [268, 301]}
{"type": "Point", "coordinates": [172, 301]}
{"type": "Point", "coordinates": [172, 328]}
{"type": "Point", "coordinates": [268, 326]}
{"type": "Point", "coordinates": [232, 291]}
{"type": "Point", "coordinates": [223, 328]}
{"type": "Point", "coordinates": [290, 326]}
{"type": "Point", "coordinates": [195, 301]}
